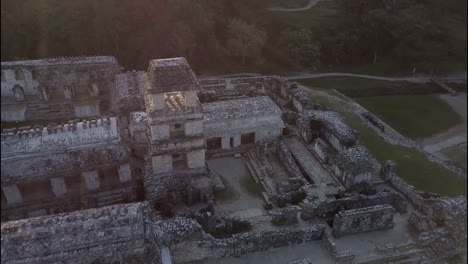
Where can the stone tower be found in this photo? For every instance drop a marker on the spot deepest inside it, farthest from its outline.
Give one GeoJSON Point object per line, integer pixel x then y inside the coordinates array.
{"type": "Point", "coordinates": [176, 149]}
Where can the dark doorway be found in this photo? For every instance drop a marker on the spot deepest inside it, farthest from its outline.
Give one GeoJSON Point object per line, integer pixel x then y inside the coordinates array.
{"type": "Point", "coordinates": [179, 161]}
{"type": "Point", "coordinates": [213, 143]}
{"type": "Point", "coordinates": [248, 138]}
{"type": "Point", "coordinates": [231, 142]}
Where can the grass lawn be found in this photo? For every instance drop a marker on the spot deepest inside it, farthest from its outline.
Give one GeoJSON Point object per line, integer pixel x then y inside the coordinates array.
{"type": "Point", "coordinates": [251, 186]}
{"type": "Point", "coordinates": [229, 194]}
{"type": "Point", "coordinates": [458, 155]}
{"type": "Point", "coordinates": [412, 165]}
{"type": "Point", "coordinates": [415, 116]}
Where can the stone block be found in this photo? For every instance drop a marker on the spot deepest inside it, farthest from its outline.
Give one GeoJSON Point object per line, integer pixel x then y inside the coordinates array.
{"type": "Point", "coordinates": [58, 186]}
{"type": "Point", "coordinates": [125, 172]}
{"type": "Point", "coordinates": [162, 164]}
{"type": "Point", "coordinates": [91, 179]}
{"type": "Point", "coordinates": [12, 194]}
{"type": "Point", "coordinates": [196, 159]}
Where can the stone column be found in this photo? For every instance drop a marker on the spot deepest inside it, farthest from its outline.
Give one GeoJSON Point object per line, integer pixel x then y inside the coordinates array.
{"type": "Point", "coordinates": [91, 179]}
{"type": "Point", "coordinates": [58, 186]}
{"type": "Point", "coordinates": [237, 140]}
{"type": "Point", "coordinates": [12, 194]}
{"type": "Point", "coordinates": [125, 173]}
{"type": "Point", "coordinates": [225, 142]}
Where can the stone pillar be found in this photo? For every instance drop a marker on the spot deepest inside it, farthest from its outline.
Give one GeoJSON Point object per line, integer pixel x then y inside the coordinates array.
{"type": "Point", "coordinates": [12, 194]}
{"type": "Point", "coordinates": [91, 179]}
{"type": "Point", "coordinates": [237, 140]}
{"type": "Point", "coordinates": [196, 159]}
{"type": "Point", "coordinates": [125, 173]}
{"type": "Point", "coordinates": [161, 164]}
{"type": "Point", "coordinates": [58, 186]}
{"type": "Point", "coordinates": [388, 170]}
{"type": "Point", "coordinates": [225, 142]}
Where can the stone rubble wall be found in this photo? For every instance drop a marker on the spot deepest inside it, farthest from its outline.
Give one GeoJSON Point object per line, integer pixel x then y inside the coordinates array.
{"type": "Point", "coordinates": [53, 137]}
{"type": "Point", "coordinates": [80, 237]}
{"type": "Point", "coordinates": [363, 219]}
{"type": "Point", "coordinates": [328, 242]}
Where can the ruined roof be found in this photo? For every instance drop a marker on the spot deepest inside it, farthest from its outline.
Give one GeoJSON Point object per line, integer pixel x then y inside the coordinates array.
{"type": "Point", "coordinates": [68, 235]}
{"type": "Point", "coordinates": [62, 61]}
{"type": "Point", "coordinates": [304, 98]}
{"type": "Point", "coordinates": [62, 162]}
{"type": "Point", "coordinates": [355, 160]}
{"type": "Point", "coordinates": [171, 75]}
{"type": "Point", "coordinates": [333, 122]}
{"type": "Point", "coordinates": [29, 141]}
{"type": "Point", "coordinates": [240, 108]}
{"type": "Point", "coordinates": [129, 84]}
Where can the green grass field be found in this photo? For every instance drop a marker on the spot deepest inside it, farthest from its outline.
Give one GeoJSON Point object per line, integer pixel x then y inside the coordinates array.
{"type": "Point", "coordinates": [458, 155]}
{"type": "Point", "coordinates": [251, 186]}
{"type": "Point", "coordinates": [229, 194]}
{"type": "Point", "coordinates": [413, 166]}
{"type": "Point", "coordinates": [415, 116]}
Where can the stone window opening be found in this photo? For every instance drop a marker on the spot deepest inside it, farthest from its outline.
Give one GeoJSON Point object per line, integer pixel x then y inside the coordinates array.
{"type": "Point", "coordinates": [93, 90]}
{"type": "Point", "coordinates": [174, 101]}
{"type": "Point", "coordinates": [179, 161]}
{"type": "Point", "coordinates": [69, 92]}
{"type": "Point", "coordinates": [19, 75]}
{"type": "Point", "coordinates": [44, 93]}
{"type": "Point", "coordinates": [34, 74]}
{"type": "Point", "coordinates": [248, 138]}
{"type": "Point", "coordinates": [231, 142]}
{"type": "Point", "coordinates": [176, 130]}
{"type": "Point", "coordinates": [213, 143]}
{"type": "Point", "coordinates": [18, 93]}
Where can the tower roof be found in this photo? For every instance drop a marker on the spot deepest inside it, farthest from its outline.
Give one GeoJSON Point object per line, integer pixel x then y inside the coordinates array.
{"type": "Point", "coordinates": [171, 75]}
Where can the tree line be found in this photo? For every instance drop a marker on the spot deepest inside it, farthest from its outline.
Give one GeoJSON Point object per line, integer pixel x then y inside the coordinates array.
{"type": "Point", "coordinates": [216, 34]}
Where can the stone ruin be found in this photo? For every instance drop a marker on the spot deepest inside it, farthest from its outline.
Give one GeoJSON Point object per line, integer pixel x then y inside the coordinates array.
{"type": "Point", "coordinates": [115, 170]}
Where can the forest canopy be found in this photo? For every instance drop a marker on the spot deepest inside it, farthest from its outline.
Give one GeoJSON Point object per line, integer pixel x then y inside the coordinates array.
{"type": "Point", "coordinates": [222, 35]}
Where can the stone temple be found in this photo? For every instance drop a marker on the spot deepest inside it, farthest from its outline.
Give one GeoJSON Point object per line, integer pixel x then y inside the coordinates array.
{"type": "Point", "coordinates": [104, 166]}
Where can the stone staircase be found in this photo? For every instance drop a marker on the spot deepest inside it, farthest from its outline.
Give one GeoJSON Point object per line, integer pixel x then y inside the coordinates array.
{"type": "Point", "coordinates": [111, 199]}
{"type": "Point", "coordinates": [51, 111]}
{"type": "Point", "coordinates": [258, 172]}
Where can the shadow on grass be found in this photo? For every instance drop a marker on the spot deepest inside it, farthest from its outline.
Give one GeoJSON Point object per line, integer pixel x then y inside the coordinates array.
{"type": "Point", "coordinates": [248, 183]}
{"type": "Point", "coordinates": [229, 194]}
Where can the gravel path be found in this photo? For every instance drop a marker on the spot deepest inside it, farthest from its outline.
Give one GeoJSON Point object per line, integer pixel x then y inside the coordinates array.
{"type": "Point", "coordinates": [423, 78]}
{"type": "Point", "coordinates": [282, 9]}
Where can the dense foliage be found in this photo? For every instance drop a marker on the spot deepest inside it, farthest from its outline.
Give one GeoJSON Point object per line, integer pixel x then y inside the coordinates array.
{"type": "Point", "coordinates": [224, 34]}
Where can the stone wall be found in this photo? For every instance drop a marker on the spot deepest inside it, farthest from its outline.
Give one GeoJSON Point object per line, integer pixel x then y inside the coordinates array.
{"type": "Point", "coordinates": [107, 234]}
{"type": "Point", "coordinates": [53, 137]}
{"type": "Point", "coordinates": [328, 242]}
{"type": "Point", "coordinates": [50, 87]}
{"type": "Point", "coordinates": [363, 219]}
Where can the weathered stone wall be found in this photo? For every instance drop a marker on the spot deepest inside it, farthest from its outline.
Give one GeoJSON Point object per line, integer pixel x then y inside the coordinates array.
{"type": "Point", "coordinates": [344, 257]}
{"type": "Point", "coordinates": [42, 139]}
{"type": "Point", "coordinates": [50, 86]}
{"type": "Point", "coordinates": [107, 234]}
{"type": "Point", "coordinates": [363, 220]}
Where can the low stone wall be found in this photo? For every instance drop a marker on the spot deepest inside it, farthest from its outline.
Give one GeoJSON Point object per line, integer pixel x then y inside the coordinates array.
{"type": "Point", "coordinates": [328, 242]}
{"type": "Point", "coordinates": [363, 220]}
{"type": "Point", "coordinates": [288, 161]}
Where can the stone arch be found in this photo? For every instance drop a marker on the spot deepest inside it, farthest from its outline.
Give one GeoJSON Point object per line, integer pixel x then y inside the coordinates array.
{"type": "Point", "coordinates": [18, 93]}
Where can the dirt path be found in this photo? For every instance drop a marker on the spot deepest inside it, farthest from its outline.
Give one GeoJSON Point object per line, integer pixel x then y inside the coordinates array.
{"type": "Point", "coordinates": [282, 9]}
{"type": "Point", "coordinates": [414, 79]}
